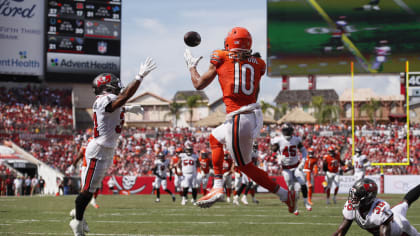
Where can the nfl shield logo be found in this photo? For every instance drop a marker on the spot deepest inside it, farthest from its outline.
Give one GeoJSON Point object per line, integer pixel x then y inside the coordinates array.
{"type": "Point", "coordinates": [102, 47]}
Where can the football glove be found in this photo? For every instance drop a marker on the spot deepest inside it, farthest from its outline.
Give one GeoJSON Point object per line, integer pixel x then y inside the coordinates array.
{"type": "Point", "coordinates": [190, 59]}
{"type": "Point", "coordinates": [145, 68]}
{"type": "Point", "coordinates": [136, 109]}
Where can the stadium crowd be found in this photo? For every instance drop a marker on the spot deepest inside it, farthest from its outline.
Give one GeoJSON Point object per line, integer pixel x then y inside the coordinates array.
{"type": "Point", "coordinates": [40, 121]}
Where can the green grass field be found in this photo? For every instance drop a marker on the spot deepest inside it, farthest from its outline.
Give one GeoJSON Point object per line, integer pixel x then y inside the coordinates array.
{"type": "Point", "coordinates": [140, 215]}
{"type": "Point", "coordinates": [298, 35]}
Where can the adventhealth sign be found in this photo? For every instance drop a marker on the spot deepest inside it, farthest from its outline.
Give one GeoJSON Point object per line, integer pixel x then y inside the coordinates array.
{"type": "Point", "coordinates": [22, 30]}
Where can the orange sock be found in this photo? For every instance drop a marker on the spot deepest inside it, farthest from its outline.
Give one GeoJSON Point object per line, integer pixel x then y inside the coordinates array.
{"type": "Point", "coordinates": [310, 193]}
{"type": "Point", "coordinates": [260, 177]}
{"type": "Point", "coordinates": [217, 155]}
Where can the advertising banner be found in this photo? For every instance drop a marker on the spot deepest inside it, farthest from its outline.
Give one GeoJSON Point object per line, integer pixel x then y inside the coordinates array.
{"type": "Point", "coordinates": [400, 183]}
{"type": "Point", "coordinates": [21, 37]}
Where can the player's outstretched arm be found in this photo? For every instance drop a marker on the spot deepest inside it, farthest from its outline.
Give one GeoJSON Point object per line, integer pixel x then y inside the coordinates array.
{"type": "Point", "coordinates": [343, 228]}
{"type": "Point", "coordinates": [145, 69]}
{"type": "Point", "coordinates": [199, 81]}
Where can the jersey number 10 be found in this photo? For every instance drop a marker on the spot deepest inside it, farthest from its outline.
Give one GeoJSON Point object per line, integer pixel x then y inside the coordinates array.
{"type": "Point", "coordinates": [242, 69]}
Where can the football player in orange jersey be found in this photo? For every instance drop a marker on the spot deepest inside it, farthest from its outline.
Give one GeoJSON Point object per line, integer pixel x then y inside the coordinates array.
{"type": "Point", "coordinates": [239, 74]}
{"type": "Point", "coordinates": [81, 156]}
{"type": "Point", "coordinates": [331, 166]}
{"type": "Point", "coordinates": [308, 169]}
{"type": "Point", "coordinates": [177, 171]}
{"type": "Point", "coordinates": [203, 171]}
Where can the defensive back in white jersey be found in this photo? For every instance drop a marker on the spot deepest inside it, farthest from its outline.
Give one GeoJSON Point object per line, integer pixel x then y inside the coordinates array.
{"type": "Point", "coordinates": [360, 162]}
{"type": "Point", "coordinates": [162, 167]}
{"type": "Point", "coordinates": [379, 213]}
{"type": "Point", "coordinates": [189, 163]}
{"type": "Point", "coordinates": [288, 149]}
{"type": "Point", "coordinates": [107, 125]}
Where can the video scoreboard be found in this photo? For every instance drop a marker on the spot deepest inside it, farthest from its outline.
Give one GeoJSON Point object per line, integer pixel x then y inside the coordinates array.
{"type": "Point", "coordinates": [82, 38]}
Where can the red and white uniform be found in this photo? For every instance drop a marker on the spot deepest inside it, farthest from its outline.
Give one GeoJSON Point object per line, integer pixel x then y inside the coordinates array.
{"type": "Point", "coordinates": [360, 162]}
{"type": "Point", "coordinates": [290, 159]}
{"type": "Point", "coordinates": [162, 167]}
{"type": "Point", "coordinates": [379, 213]}
{"type": "Point", "coordinates": [100, 151]}
{"type": "Point", "coordinates": [239, 81]}
{"type": "Point", "coordinates": [189, 170]}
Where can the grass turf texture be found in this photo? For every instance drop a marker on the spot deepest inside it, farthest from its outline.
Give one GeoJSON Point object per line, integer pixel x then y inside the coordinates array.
{"type": "Point", "coordinates": [300, 53]}
{"type": "Point", "coordinates": [140, 215]}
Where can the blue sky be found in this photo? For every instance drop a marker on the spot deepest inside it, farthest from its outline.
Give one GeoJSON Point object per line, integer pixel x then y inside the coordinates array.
{"type": "Point", "coordinates": [156, 29]}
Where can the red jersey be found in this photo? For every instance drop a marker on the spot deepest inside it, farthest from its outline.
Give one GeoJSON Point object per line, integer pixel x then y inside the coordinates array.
{"type": "Point", "coordinates": [227, 165]}
{"type": "Point", "coordinates": [332, 162]}
{"type": "Point", "coordinates": [239, 79]}
{"type": "Point", "coordinates": [204, 164]}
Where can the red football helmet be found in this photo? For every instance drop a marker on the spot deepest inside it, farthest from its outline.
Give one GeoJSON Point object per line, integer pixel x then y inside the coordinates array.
{"type": "Point", "coordinates": [238, 39]}
{"type": "Point", "coordinates": [106, 82]}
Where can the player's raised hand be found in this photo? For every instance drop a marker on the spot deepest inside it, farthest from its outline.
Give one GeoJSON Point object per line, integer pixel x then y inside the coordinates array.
{"type": "Point", "coordinates": [145, 68]}
{"type": "Point", "coordinates": [136, 109]}
{"type": "Point", "coordinates": [190, 59]}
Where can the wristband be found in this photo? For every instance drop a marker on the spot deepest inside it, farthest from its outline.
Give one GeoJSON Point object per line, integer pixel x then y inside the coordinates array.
{"type": "Point", "coordinates": [139, 78]}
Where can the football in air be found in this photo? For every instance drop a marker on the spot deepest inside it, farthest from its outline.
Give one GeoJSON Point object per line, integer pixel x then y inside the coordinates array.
{"type": "Point", "coordinates": [192, 38]}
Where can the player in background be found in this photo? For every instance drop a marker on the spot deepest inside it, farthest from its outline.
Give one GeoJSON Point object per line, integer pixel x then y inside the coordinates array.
{"type": "Point", "coordinates": [331, 165]}
{"type": "Point", "coordinates": [375, 215]}
{"type": "Point", "coordinates": [241, 182]}
{"type": "Point", "coordinates": [360, 163]}
{"type": "Point", "coordinates": [81, 155]}
{"type": "Point", "coordinates": [252, 186]}
{"type": "Point", "coordinates": [203, 171]}
{"type": "Point", "coordinates": [382, 50]}
{"type": "Point", "coordinates": [287, 146]}
{"type": "Point", "coordinates": [160, 169]}
{"type": "Point", "coordinates": [335, 42]}
{"type": "Point", "coordinates": [189, 164]}
{"type": "Point", "coordinates": [108, 118]}
{"type": "Point", "coordinates": [239, 73]}
{"type": "Point", "coordinates": [227, 170]}
{"type": "Point", "coordinates": [372, 5]}
{"type": "Point", "coordinates": [308, 169]}
{"type": "Point", "coordinates": [176, 170]}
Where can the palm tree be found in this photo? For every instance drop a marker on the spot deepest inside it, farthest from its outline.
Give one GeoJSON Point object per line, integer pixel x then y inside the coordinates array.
{"type": "Point", "coordinates": [317, 104]}
{"type": "Point", "coordinates": [265, 106]}
{"type": "Point", "coordinates": [371, 107]}
{"type": "Point", "coordinates": [324, 112]}
{"type": "Point", "coordinates": [280, 111]}
{"type": "Point", "coordinates": [192, 102]}
{"type": "Point", "coordinates": [174, 111]}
